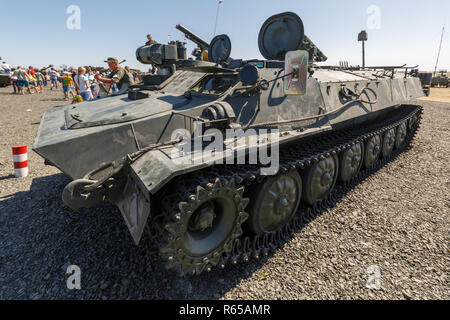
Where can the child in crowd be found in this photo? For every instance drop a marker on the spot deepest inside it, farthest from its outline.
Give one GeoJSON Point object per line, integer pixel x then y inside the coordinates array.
{"type": "Point", "coordinates": [67, 85]}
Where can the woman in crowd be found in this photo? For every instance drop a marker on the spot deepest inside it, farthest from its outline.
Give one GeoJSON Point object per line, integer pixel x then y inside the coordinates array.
{"type": "Point", "coordinates": [92, 82]}
{"type": "Point", "coordinates": [32, 81]}
{"type": "Point", "coordinates": [82, 84]}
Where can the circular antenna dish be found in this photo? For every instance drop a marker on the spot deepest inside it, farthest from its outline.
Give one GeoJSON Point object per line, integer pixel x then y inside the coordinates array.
{"type": "Point", "coordinates": [219, 49]}
{"type": "Point", "coordinates": [279, 34]}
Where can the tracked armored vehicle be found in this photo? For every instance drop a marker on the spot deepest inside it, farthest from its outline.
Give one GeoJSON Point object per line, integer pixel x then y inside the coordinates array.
{"type": "Point", "coordinates": [188, 156]}
{"type": "Point", "coordinates": [441, 80]}
{"type": "Point", "coordinates": [5, 79]}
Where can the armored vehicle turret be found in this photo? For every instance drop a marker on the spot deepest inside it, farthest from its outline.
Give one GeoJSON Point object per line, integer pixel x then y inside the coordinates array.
{"type": "Point", "coordinates": [224, 160]}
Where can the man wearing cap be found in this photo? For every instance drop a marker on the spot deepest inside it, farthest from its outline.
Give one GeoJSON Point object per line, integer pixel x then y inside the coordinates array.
{"type": "Point", "coordinates": [118, 76]}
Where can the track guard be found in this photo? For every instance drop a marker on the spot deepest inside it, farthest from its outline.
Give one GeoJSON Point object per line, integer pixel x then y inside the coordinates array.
{"type": "Point", "coordinates": [135, 209]}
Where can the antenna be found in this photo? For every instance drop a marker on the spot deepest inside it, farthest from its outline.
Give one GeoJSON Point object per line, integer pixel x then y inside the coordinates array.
{"type": "Point", "coordinates": [217, 17]}
{"type": "Point", "coordinates": [439, 52]}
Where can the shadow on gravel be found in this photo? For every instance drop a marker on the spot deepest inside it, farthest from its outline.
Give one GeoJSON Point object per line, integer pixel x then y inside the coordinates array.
{"type": "Point", "coordinates": [7, 177]}
{"type": "Point", "coordinates": [40, 238]}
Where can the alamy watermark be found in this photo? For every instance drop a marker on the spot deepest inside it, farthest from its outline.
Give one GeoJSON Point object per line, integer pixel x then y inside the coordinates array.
{"type": "Point", "coordinates": [374, 280]}
{"type": "Point", "coordinates": [74, 280]}
{"type": "Point", "coordinates": [374, 19]}
{"type": "Point", "coordinates": [73, 22]}
{"type": "Point", "coordinates": [230, 147]}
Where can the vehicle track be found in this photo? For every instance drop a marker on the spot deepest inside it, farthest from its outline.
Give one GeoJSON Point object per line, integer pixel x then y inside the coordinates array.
{"type": "Point", "coordinates": [296, 157]}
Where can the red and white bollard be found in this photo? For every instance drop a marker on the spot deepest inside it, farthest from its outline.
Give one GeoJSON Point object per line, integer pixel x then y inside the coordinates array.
{"type": "Point", "coordinates": [20, 158]}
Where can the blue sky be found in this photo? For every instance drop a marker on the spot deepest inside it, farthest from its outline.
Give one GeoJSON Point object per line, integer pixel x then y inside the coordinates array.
{"type": "Point", "coordinates": [409, 30]}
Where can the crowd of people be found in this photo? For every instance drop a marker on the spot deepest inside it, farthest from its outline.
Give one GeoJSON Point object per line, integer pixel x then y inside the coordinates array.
{"type": "Point", "coordinates": [32, 80]}
{"type": "Point", "coordinates": [81, 84]}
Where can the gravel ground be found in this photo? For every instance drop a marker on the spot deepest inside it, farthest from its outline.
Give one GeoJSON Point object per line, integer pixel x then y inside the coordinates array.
{"type": "Point", "coordinates": [397, 220]}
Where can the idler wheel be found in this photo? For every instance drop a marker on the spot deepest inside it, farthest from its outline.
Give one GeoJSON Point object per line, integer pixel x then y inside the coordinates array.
{"type": "Point", "coordinates": [274, 203]}
{"type": "Point", "coordinates": [388, 142]}
{"type": "Point", "coordinates": [372, 151]}
{"type": "Point", "coordinates": [402, 131]}
{"type": "Point", "coordinates": [319, 179]}
{"type": "Point", "coordinates": [205, 227]}
{"type": "Point", "coordinates": [351, 161]}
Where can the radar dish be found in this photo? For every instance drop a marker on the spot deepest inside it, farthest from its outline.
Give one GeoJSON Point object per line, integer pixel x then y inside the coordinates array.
{"type": "Point", "coordinates": [280, 34]}
{"type": "Point", "coordinates": [219, 49]}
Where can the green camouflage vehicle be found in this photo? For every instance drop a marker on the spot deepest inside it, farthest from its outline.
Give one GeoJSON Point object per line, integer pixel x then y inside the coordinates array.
{"type": "Point", "coordinates": [223, 161]}
{"type": "Point", "coordinates": [441, 80]}
{"type": "Point", "coordinates": [4, 80]}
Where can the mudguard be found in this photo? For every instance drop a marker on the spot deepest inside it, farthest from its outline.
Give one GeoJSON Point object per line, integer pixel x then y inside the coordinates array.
{"type": "Point", "coordinates": [135, 209]}
{"type": "Point", "coordinates": [154, 169]}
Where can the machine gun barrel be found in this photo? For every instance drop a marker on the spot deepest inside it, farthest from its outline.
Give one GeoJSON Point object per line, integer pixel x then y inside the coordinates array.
{"type": "Point", "coordinates": [315, 53]}
{"type": "Point", "coordinates": [193, 37]}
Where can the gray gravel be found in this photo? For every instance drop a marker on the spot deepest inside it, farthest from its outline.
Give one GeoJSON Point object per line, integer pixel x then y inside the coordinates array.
{"type": "Point", "coordinates": [397, 220]}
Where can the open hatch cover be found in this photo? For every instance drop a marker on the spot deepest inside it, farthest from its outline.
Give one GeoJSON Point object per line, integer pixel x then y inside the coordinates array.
{"type": "Point", "coordinates": [280, 34]}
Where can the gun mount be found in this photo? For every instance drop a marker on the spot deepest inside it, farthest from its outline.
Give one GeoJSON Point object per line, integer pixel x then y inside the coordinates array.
{"type": "Point", "coordinates": [315, 54]}
{"type": "Point", "coordinates": [193, 37]}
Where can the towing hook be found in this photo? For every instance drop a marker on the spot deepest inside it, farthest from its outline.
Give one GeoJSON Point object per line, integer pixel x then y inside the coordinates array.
{"type": "Point", "coordinates": [76, 197]}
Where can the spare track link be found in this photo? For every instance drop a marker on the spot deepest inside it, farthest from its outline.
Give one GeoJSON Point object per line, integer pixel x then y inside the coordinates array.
{"type": "Point", "coordinates": [249, 247]}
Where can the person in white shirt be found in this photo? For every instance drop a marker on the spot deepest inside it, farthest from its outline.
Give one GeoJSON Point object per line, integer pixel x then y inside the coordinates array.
{"type": "Point", "coordinates": [94, 87]}
{"type": "Point", "coordinates": [53, 79]}
{"type": "Point", "coordinates": [82, 84]}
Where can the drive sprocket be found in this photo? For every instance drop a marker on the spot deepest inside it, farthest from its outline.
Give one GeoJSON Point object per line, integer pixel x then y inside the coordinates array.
{"type": "Point", "coordinates": [203, 224]}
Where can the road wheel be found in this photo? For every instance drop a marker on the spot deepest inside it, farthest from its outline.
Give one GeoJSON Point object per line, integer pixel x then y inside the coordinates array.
{"type": "Point", "coordinates": [402, 130]}
{"type": "Point", "coordinates": [319, 179]}
{"type": "Point", "coordinates": [274, 203]}
{"type": "Point", "coordinates": [351, 161]}
{"type": "Point", "coordinates": [372, 151]}
{"type": "Point", "coordinates": [388, 142]}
